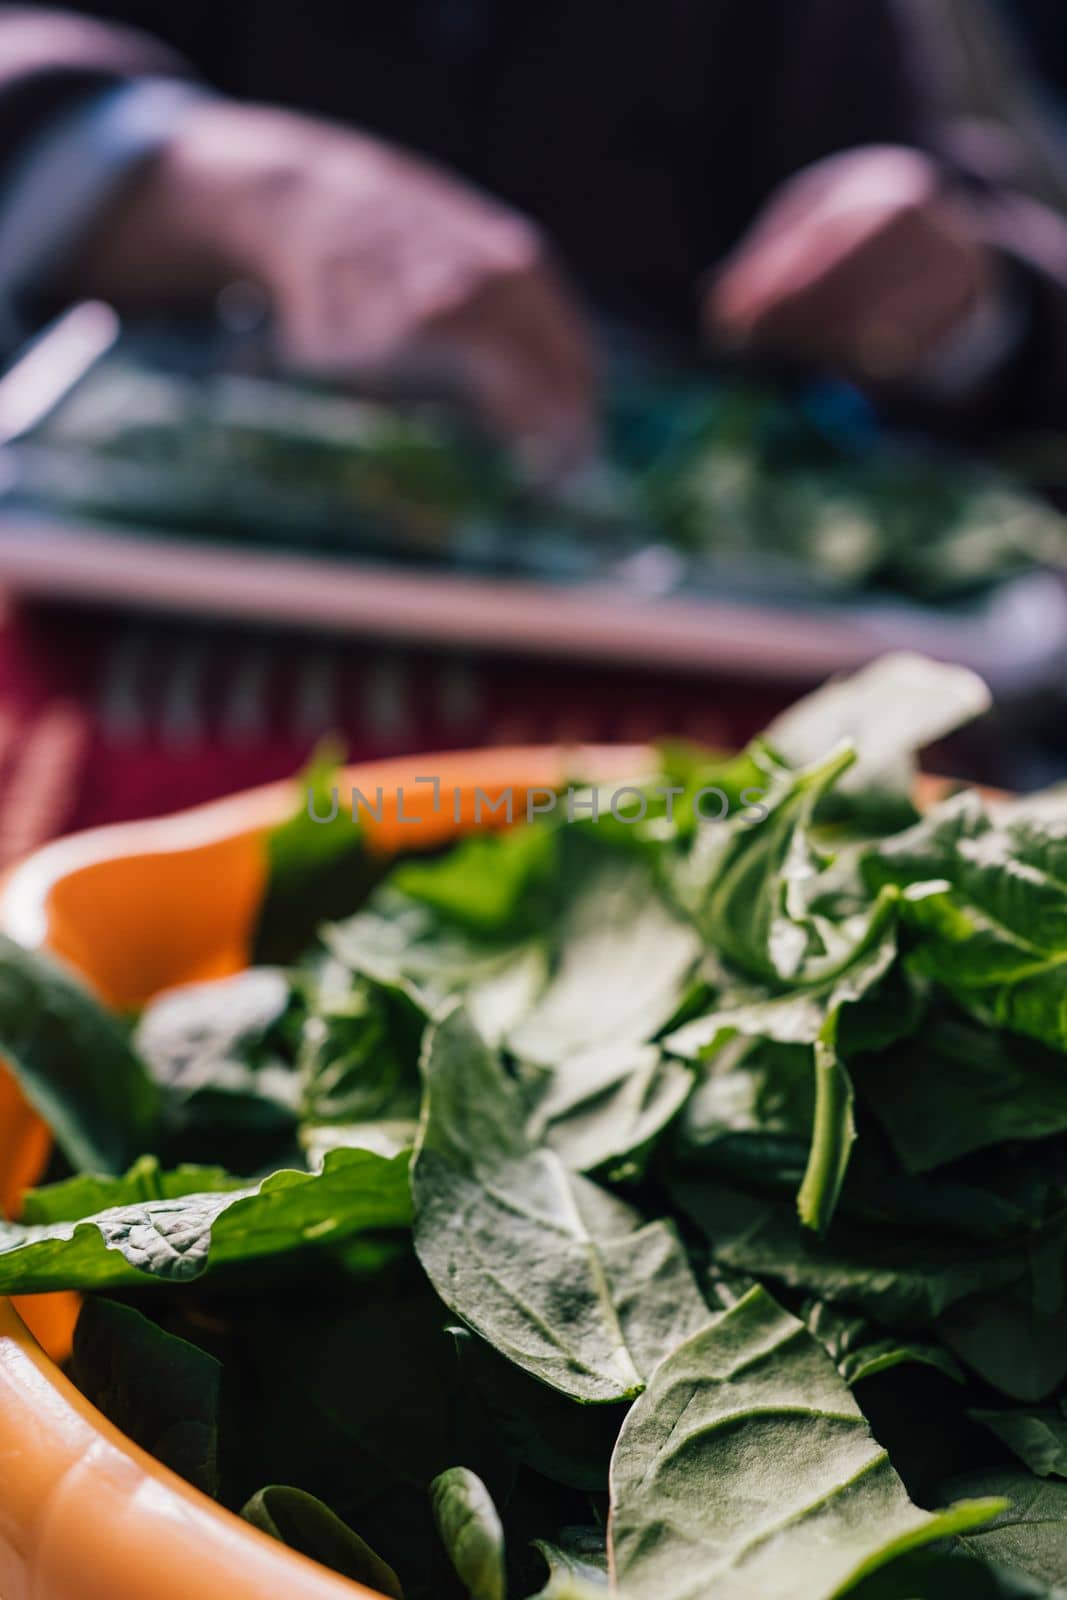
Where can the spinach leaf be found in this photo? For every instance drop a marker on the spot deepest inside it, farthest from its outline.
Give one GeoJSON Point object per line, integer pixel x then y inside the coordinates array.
{"type": "Point", "coordinates": [810, 1014]}
{"type": "Point", "coordinates": [356, 1392]}
{"type": "Point", "coordinates": [622, 967]}
{"type": "Point", "coordinates": [859, 1350]}
{"type": "Point", "coordinates": [191, 1035]}
{"type": "Point", "coordinates": [960, 1087]}
{"type": "Point", "coordinates": [599, 1108]}
{"type": "Point", "coordinates": [542, 1428]}
{"type": "Point", "coordinates": [577, 1570]}
{"type": "Point", "coordinates": [359, 1052]}
{"type": "Point", "coordinates": [792, 1015]}
{"type": "Point", "coordinates": [496, 887]}
{"type": "Point", "coordinates": [955, 1575]}
{"type": "Point", "coordinates": [315, 869]}
{"type": "Point", "coordinates": [184, 1231]}
{"type": "Point", "coordinates": [306, 1524]}
{"type": "Point", "coordinates": [1031, 1532]}
{"type": "Point", "coordinates": [1016, 1338]}
{"type": "Point", "coordinates": [163, 1392]}
{"type": "Point", "coordinates": [889, 710]}
{"type": "Point", "coordinates": [223, 1055]}
{"type": "Point", "coordinates": [74, 1063]}
{"type": "Point", "coordinates": [988, 905]}
{"type": "Point", "coordinates": [554, 1272]}
{"type": "Point", "coordinates": [898, 1276]}
{"type": "Point", "coordinates": [750, 885]}
{"type": "Point", "coordinates": [470, 1531]}
{"type": "Point", "coordinates": [750, 1114]}
{"type": "Point", "coordinates": [1038, 1437]}
{"type": "Point", "coordinates": [803, 1501]}
{"type": "Point", "coordinates": [73, 1198]}
{"type": "Point", "coordinates": [398, 943]}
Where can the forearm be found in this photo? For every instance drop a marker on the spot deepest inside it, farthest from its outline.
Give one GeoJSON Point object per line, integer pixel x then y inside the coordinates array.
{"type": "Point", "coordinates": [211, 207]}
{"type": "Point", "coordinates": [82, 106]}
{"type": "Point", "coordinates": [170, 236]}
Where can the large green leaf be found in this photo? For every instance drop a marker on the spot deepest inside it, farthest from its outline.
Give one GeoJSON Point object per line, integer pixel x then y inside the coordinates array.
{"type": "Point", "coordinates": [163, 1392]}
{"type": "Point", "coordinates": [223, 1054]}
{"type": "Point", "coordinates": [959, 1087]}
{"type": "Point", "coordinates": [353, 1390]}
{"type": "Point", "coordinates": [1016, 1337]}
{"type": "Point", "coordinates": [553, 1271]}
{"type": "Point", "coordinates": [74, 1063]}
{"type": "Point", "coordinates": [951, 1575]}
{"type": "Point", "coordinates": [1031, 1533]}
{"type": "Point", "coordinates": [496, 886]}
{"type": "Point", "coordinates": [203, 1033]}
{"type": "Point", "coordinates": [988, 904]}
{"type": "Point", "coordinates": [80, 1196]}
{"type": "Point", "coordinates": [623, 963]}
{"type": "Point", "coordinates": [809, 1014]}
{"type": "Point", "coordinates": [597, 1108]}
{"type": "Point", "coordinates": [184, 1231]}
{"type": "Point", "coordinates": [397, 942]}
{"type": "Point", "coordinates": [898, 1276]}
{"type": "Point", "coordinates": [859, 1350]}
{"type": "Point", "coordinates": [747, 1471]}
{"type": "Point", "coordinates": [889, 710]}
{"type": "Point", "coordinates": [1037, 1436]}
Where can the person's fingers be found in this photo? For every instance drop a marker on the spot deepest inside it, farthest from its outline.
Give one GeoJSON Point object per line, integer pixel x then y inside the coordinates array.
{"type": "Point", "coordinates": [897, 335]}
{"type": "Point", "coordinates": [422, 275]}
{"type": "Point", "coordinates": [817, 220]}
{"type": "Point", "coordinates": [817, 257]}
{"type": "Point", "coordinates": [873, 293]}
{"type": "Point", "coordinates": [529, 381]}
{"type": "Point", "coordinates": [829, 277]}
{"type": "Point", "coordinates": [550, 423]}
{"type": "Point", "coordinates": [528, 357]}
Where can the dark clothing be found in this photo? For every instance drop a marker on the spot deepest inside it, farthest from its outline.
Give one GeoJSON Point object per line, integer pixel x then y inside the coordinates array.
{"type": "Point", "coordinates": [643, 137]}
{"type": "Point", "coordinates": [1041, 27]}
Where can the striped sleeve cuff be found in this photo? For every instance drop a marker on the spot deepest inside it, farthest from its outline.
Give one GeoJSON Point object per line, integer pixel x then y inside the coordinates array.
{"type": "Point", "coordinates": [65, 178]}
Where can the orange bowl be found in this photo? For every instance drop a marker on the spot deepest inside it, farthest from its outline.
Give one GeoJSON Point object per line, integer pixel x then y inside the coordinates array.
{"type": "Point", "coordinates": [84, 1513]}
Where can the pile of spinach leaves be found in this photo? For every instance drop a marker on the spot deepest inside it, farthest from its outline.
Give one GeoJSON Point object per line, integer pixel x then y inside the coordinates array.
{"type": "Point", "coordinates": [635, 1205]}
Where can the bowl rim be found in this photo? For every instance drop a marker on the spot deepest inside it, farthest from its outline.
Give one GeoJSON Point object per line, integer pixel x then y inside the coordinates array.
{"type": "Point", "coordinates": [77, 1463]}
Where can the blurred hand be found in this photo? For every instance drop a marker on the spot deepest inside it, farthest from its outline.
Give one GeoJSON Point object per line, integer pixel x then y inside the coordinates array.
{"type": "Point", "coordinates": [862, 261]}
{"type": "Point", "coordinates": [372, 259]}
